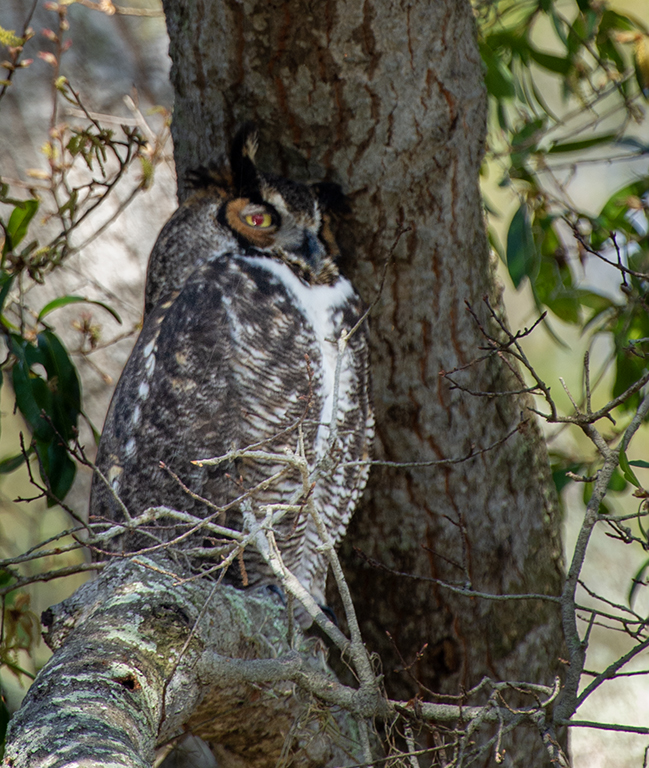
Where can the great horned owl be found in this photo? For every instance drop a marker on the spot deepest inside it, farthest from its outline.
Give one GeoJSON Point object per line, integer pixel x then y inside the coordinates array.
{"type": "Point", "coordinates": [244, 305]}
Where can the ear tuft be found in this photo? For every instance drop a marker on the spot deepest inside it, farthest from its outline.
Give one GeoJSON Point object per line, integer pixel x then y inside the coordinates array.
{"type": "Point", "coordinates": [214, 175]}
{"type": "Point", "coordinates": [331, 197]}
{"type": "Point", "coordinates": [242, 160]}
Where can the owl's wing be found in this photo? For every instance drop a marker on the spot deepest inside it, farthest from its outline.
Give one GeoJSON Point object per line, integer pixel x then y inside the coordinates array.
{"type": "Point", "coordinates": [219, 366]}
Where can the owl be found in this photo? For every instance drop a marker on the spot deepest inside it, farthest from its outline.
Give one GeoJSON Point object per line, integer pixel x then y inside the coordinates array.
{"type": "Point", "coordinates": [244, 306]}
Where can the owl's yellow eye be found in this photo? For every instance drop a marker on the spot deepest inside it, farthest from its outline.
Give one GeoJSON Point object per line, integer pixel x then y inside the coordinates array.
{"type": "Point", "coordinates": [258, 220]}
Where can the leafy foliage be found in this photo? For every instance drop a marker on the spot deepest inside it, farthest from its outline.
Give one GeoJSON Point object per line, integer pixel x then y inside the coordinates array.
{"type": "Point", "coordinates": [599, 66]}
{"type": "Point", "coordinates": [85, 163]}
{"type": "Point", "coordinates": [592, 64]}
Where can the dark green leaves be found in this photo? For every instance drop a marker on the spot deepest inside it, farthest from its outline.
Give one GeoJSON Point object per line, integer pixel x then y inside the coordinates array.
{"type": "Point", "coordinates": [521, 251]}
{"type": "Point", "coordinates": [637, 581]}
{"type": "Point", "coordinates": [11, 463]}
{"type": "Point", "coordinates": [628, 473]}
{"type": "Point", "coordinates": [579, 146]}
{"type": "Point", "coordinates": [498, 78]}
{"type": "Point", "coordinates": [50, 404]}
{"type": "Point", "coordinates": [45, 380]}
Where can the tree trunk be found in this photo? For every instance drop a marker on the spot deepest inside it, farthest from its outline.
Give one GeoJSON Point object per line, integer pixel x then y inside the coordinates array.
{"type": "Point", "coordinates": [387, 99]}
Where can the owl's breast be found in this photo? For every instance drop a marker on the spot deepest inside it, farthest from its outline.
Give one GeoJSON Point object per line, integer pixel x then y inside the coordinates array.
{"type": "Point", "coordinates": [318, 315]}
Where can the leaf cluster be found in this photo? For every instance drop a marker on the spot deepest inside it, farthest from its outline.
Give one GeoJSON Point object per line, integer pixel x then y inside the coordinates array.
{"type": "Point", "coordinates": [85, 163]}
{"type": "Point", "coordinates": [595, 59]}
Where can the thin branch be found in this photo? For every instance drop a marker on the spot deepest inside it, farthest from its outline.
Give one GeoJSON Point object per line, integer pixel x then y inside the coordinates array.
{"type": "Point", "coordinates": [458, 590]}
{"type": "Point", "coordinates": [471, 454]}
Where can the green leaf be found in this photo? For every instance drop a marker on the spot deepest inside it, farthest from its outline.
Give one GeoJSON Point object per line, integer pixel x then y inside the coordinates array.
{"type": "Point", "coordinates": [31, 391]}
{"type": "Point", "coordinates": [528, 131]}
{"type": "Point", "coordinates": [627, 471]}
{"type": "Point", "coordinates": [495, 243]}
{"type": "Point", "coordinates": [6, 281]}
{"type": "Point", "coordinates": [628, 370]}
{"type": "Point", "coordinates": [11, 463]}
{"type": "Point", "coordinates": [522, 260]}
{"type": "Point", "coordinates": [50, 407]}
{"type": "Point", "coordinates": [498, 78]}
{"type": "Point", "coordinates": [595, 301]}
{"type": "Point", "coordinates": [558, 64]}
{"type": "Point", "coordinates": [96, 434]}
{"type": "Point", "coordinates": [565, 307]}
{"type": "Point", "coordinates": [608, 50]}
{"type": "Point", "coordinates": [640, 463]}
{"type": "Point", "coordinates": [6, 577]}
{"type": "Point", "coordinates": [19, 221]}
{"type": "Point", "coordinates": [9, 38]}
{"type": "Point", "coordinates": [617, 483]}
{"type": "Point", "coordinates": [636, 582]}
{"type": "Point", "coordinates": [560, 475]}
{"type": "Point", "coordinates": [58, 467]}
{"type": "Point", "coordinates": [612, 20]}
{"type": "Point", "coordinates": [63, 383]}
{"type": "Point", "coordinates": [559, 26]}
{"type": "Point", "coordinates": [63, 301]}
{"type": "Point", "coordinates": [578, 146]}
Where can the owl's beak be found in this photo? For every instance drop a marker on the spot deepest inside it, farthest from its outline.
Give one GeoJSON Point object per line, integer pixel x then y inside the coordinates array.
{"type": "Point", "coordinates": [311, 250]}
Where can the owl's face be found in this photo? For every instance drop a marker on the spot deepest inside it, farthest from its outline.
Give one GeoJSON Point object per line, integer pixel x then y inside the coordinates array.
{"type": "Point", "coordinates": [272, 215]}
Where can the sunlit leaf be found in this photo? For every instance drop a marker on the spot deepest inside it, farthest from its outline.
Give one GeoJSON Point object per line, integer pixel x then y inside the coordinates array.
{"type": "Point", "coordinates": [18, 223]}
{"type": "Point", "coordinates": [63, 301]}
{"type": "Point", "coordinates": [9, 38]}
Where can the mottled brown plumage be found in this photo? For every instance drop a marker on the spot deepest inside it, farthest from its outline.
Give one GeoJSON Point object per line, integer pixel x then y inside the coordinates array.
{"type": "Point", "coordinates": [244, 304]}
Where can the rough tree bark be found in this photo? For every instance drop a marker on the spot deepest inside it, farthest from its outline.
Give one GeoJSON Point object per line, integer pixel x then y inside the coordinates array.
{"type": "Point", "coordinates": [387, 99]}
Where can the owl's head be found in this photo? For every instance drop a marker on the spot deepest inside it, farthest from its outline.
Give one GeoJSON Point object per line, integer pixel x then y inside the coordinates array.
{"type": "Point", "coordinates": [272, 215]}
